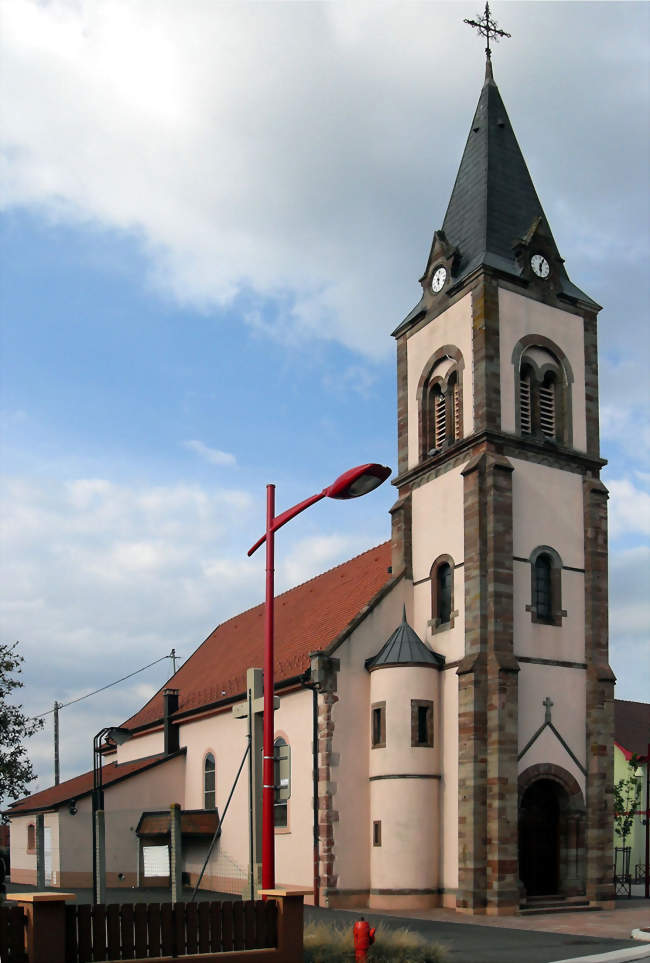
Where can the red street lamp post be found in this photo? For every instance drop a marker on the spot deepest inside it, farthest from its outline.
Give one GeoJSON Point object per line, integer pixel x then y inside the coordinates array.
{"type": "Point", "coordinates": [351, 484]}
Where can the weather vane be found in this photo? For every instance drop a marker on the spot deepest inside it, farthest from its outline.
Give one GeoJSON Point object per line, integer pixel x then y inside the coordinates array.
{"type": "Point", "coordinates": [487, 27]}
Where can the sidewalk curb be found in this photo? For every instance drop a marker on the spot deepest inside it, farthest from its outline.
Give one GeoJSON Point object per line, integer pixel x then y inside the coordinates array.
{"type": "Point", "coordinates": [629, 955]}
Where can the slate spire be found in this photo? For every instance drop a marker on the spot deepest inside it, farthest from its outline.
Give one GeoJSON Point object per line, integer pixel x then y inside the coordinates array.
{"type": "Point", "coordinates": [494, 211]}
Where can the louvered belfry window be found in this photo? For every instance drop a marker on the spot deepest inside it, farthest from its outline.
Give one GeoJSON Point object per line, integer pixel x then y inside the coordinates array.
{"type": "Point", "coordinates": [547, 408]}
{"type": "Point", "coordinates": [455, 413]}
{"type": "Point", "coordinates": [441, 411]}
{"type": "Point", "coordinates": [439, 417]}
{"type": "Point", "coordinates": [525, 403]}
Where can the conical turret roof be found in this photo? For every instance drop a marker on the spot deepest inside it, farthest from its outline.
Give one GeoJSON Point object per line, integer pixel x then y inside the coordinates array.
{"type": "Point", "coordinates": [405, 647]}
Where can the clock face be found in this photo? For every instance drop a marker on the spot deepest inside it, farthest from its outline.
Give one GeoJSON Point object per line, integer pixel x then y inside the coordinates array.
{"type": "Point", "coordinates": [438, 279]}
{"type": "Point", "coordinates": [540, 265]}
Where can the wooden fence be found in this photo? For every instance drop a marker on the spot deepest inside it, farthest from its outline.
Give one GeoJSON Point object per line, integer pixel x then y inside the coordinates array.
{"type": "Point", "coordinates": [152, 930]}
{"type": "Point", "coordinates": [41, 928]}
{"type": "Point", "coordinates": [12, 934]}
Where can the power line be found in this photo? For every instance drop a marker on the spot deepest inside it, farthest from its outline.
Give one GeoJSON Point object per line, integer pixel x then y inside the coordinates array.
{"type": "Point", "coordinates": [62, 705]}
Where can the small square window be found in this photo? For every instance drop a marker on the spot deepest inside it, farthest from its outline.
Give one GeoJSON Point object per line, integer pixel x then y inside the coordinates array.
{"type": "Point", "coordinates": [378, 725]}
{"type": "Point", "coordinates": [421, 722]}
{"type": "Point", "coordinates": [376, 832]}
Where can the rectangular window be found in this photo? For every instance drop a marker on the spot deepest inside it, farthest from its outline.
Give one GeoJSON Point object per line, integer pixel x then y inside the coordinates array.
{"type": "Point", "coordinates": [378, 725]}
{"type": "Point", "coordinates": [376, 832]}
{"type": "Point", "coordinates": [421, 722]}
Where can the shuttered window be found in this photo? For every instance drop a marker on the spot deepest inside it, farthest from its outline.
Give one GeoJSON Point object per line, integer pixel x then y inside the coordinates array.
{"type": "Point", "coordinates": [155, 860]}
{"type": "Point", "coordinates": [457, 414]}
{"type": "Point", "coordinates": [547, 409]}
{"type": "Point", "coordinates": [440, 418]}
{"type": "Point", "coordinates": [525, 403]}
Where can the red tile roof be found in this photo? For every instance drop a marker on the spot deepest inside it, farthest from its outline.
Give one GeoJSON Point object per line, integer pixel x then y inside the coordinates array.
{"type": "Point", "coordinates": [632, 726]}
{"type": "Point", "coordinates": [307, 618]}
{"type": "Point", "coordinates": [81, 785]}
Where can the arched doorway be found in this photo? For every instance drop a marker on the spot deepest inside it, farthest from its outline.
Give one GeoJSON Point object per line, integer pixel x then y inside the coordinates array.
{"type": "Point", "coordinates": [539, 838]}
{"type": "Point", "coordinates": [551, 832]}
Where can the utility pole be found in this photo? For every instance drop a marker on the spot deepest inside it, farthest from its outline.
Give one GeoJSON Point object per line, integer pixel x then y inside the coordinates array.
{"type": "Point", "coordinates": [253, 711]}
{"type": "Point", "coordinates": [56, 743]}
{"type": "Point", "coordinates": [172, 656]}
{"type": "Point", "coordinates": [647, 823]}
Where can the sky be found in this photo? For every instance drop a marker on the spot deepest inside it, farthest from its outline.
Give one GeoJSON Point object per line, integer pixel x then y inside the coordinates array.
{"type": "Point", "coordinates": [212, 218]}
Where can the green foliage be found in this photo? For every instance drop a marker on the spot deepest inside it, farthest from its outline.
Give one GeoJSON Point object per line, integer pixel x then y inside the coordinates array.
{"type": "Point", "coordinates": [15, 768]}
{"type": "Point", "coordinates": [627, 796]}
{"type": "Point", "coordinates": [333, 943]}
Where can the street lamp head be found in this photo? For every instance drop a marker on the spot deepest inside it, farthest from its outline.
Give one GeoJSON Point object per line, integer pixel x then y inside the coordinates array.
{"type": "Point", "coordinates": [358, 481]}
{"type": "Point", "coordinates": [118, 735]}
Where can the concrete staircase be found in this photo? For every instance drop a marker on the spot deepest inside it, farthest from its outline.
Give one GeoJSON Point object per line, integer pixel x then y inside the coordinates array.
{"type": "Point", "coordinates": [555, 903]}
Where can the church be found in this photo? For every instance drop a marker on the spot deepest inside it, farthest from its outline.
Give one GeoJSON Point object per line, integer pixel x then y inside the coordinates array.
{"type": "Point", "coordinates": [446, 702]}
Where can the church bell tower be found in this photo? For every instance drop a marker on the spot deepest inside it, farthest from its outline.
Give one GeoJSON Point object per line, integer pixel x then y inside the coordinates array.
{"type": "Point", "coordinates": [501, 529]}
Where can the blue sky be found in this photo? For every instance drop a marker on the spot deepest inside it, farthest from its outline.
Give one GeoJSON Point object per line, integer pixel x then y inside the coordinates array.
{"type": "Point", "coordinates": [212, 218]}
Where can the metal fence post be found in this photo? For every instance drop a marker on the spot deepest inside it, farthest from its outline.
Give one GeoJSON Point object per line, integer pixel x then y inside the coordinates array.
{"type": "Point", "coordinates": [40, 851]}
{"type": "Point", "coordinates": [176, 855]}
{"type": "Point", "coordinates": [100, 855]}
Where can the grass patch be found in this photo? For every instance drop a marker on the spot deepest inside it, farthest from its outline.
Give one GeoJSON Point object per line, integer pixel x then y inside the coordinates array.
{"type": "Point", "coordinates": [333, 943]}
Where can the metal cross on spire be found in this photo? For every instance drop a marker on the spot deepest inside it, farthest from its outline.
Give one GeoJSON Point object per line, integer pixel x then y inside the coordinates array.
{"type": "Point", "coordinates": [488, 28]}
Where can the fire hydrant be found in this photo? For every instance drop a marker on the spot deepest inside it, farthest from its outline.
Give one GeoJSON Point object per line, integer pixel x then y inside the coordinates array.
{"type": "Point", "coordinates": [364, 936]}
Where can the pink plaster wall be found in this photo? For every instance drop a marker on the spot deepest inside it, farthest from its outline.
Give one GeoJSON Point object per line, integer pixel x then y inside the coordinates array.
{"type": "Point", "coordinates": [567, 690]}
{"type": "Point", "coordinates": [454, 327]}
{"type": "Point", "coordinates": [519, 316]}
{"type": "Point", "coordinates": [351, 715]}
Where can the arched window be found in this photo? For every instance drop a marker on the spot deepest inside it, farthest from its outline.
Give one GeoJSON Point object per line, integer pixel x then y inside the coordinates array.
{"type": "Point", "coordinates": [546, 586]}
{"type": "Point", "coordinates": [543, 390]}
{"type": "Point", "coordinates": [31, 838]}
{"type": "Point", "coordinates": [440, 398]}
{"type": "Point", "coordinates": [444, 576]}
{"type": "Point", "coordinates": [209, 782]}
{"type": "Point", "coordinates": [542, 598]}
{"type": "Point", "coordinates": [282, 780]}
{"type": "Point", "coordinates": [442, 593]}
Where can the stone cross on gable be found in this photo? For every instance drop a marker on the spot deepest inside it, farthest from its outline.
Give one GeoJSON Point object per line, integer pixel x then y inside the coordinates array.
{"type": "Point", "coordinates": [547, 703]}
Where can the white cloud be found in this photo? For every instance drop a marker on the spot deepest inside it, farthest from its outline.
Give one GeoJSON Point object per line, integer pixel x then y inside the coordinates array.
{"type": "Point", "coordinates": [294, 150]}
{"type": "Point", "coordinates": [317, 553]}
{"type": "Point", "coordinates": [629, 510]}
{"type": "Point", "coordinates": [629, 617]}
{"type": "Point", "coordinates": [212, 455]}
{"type": "Point", "coordinates": [99, 579]}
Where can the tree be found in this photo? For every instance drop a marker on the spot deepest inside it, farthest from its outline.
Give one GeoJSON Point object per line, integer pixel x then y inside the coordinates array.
{"type": "Point", "coordinates": [16, 770]}
{"type": "Point", "coordinates": [627, 795]}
